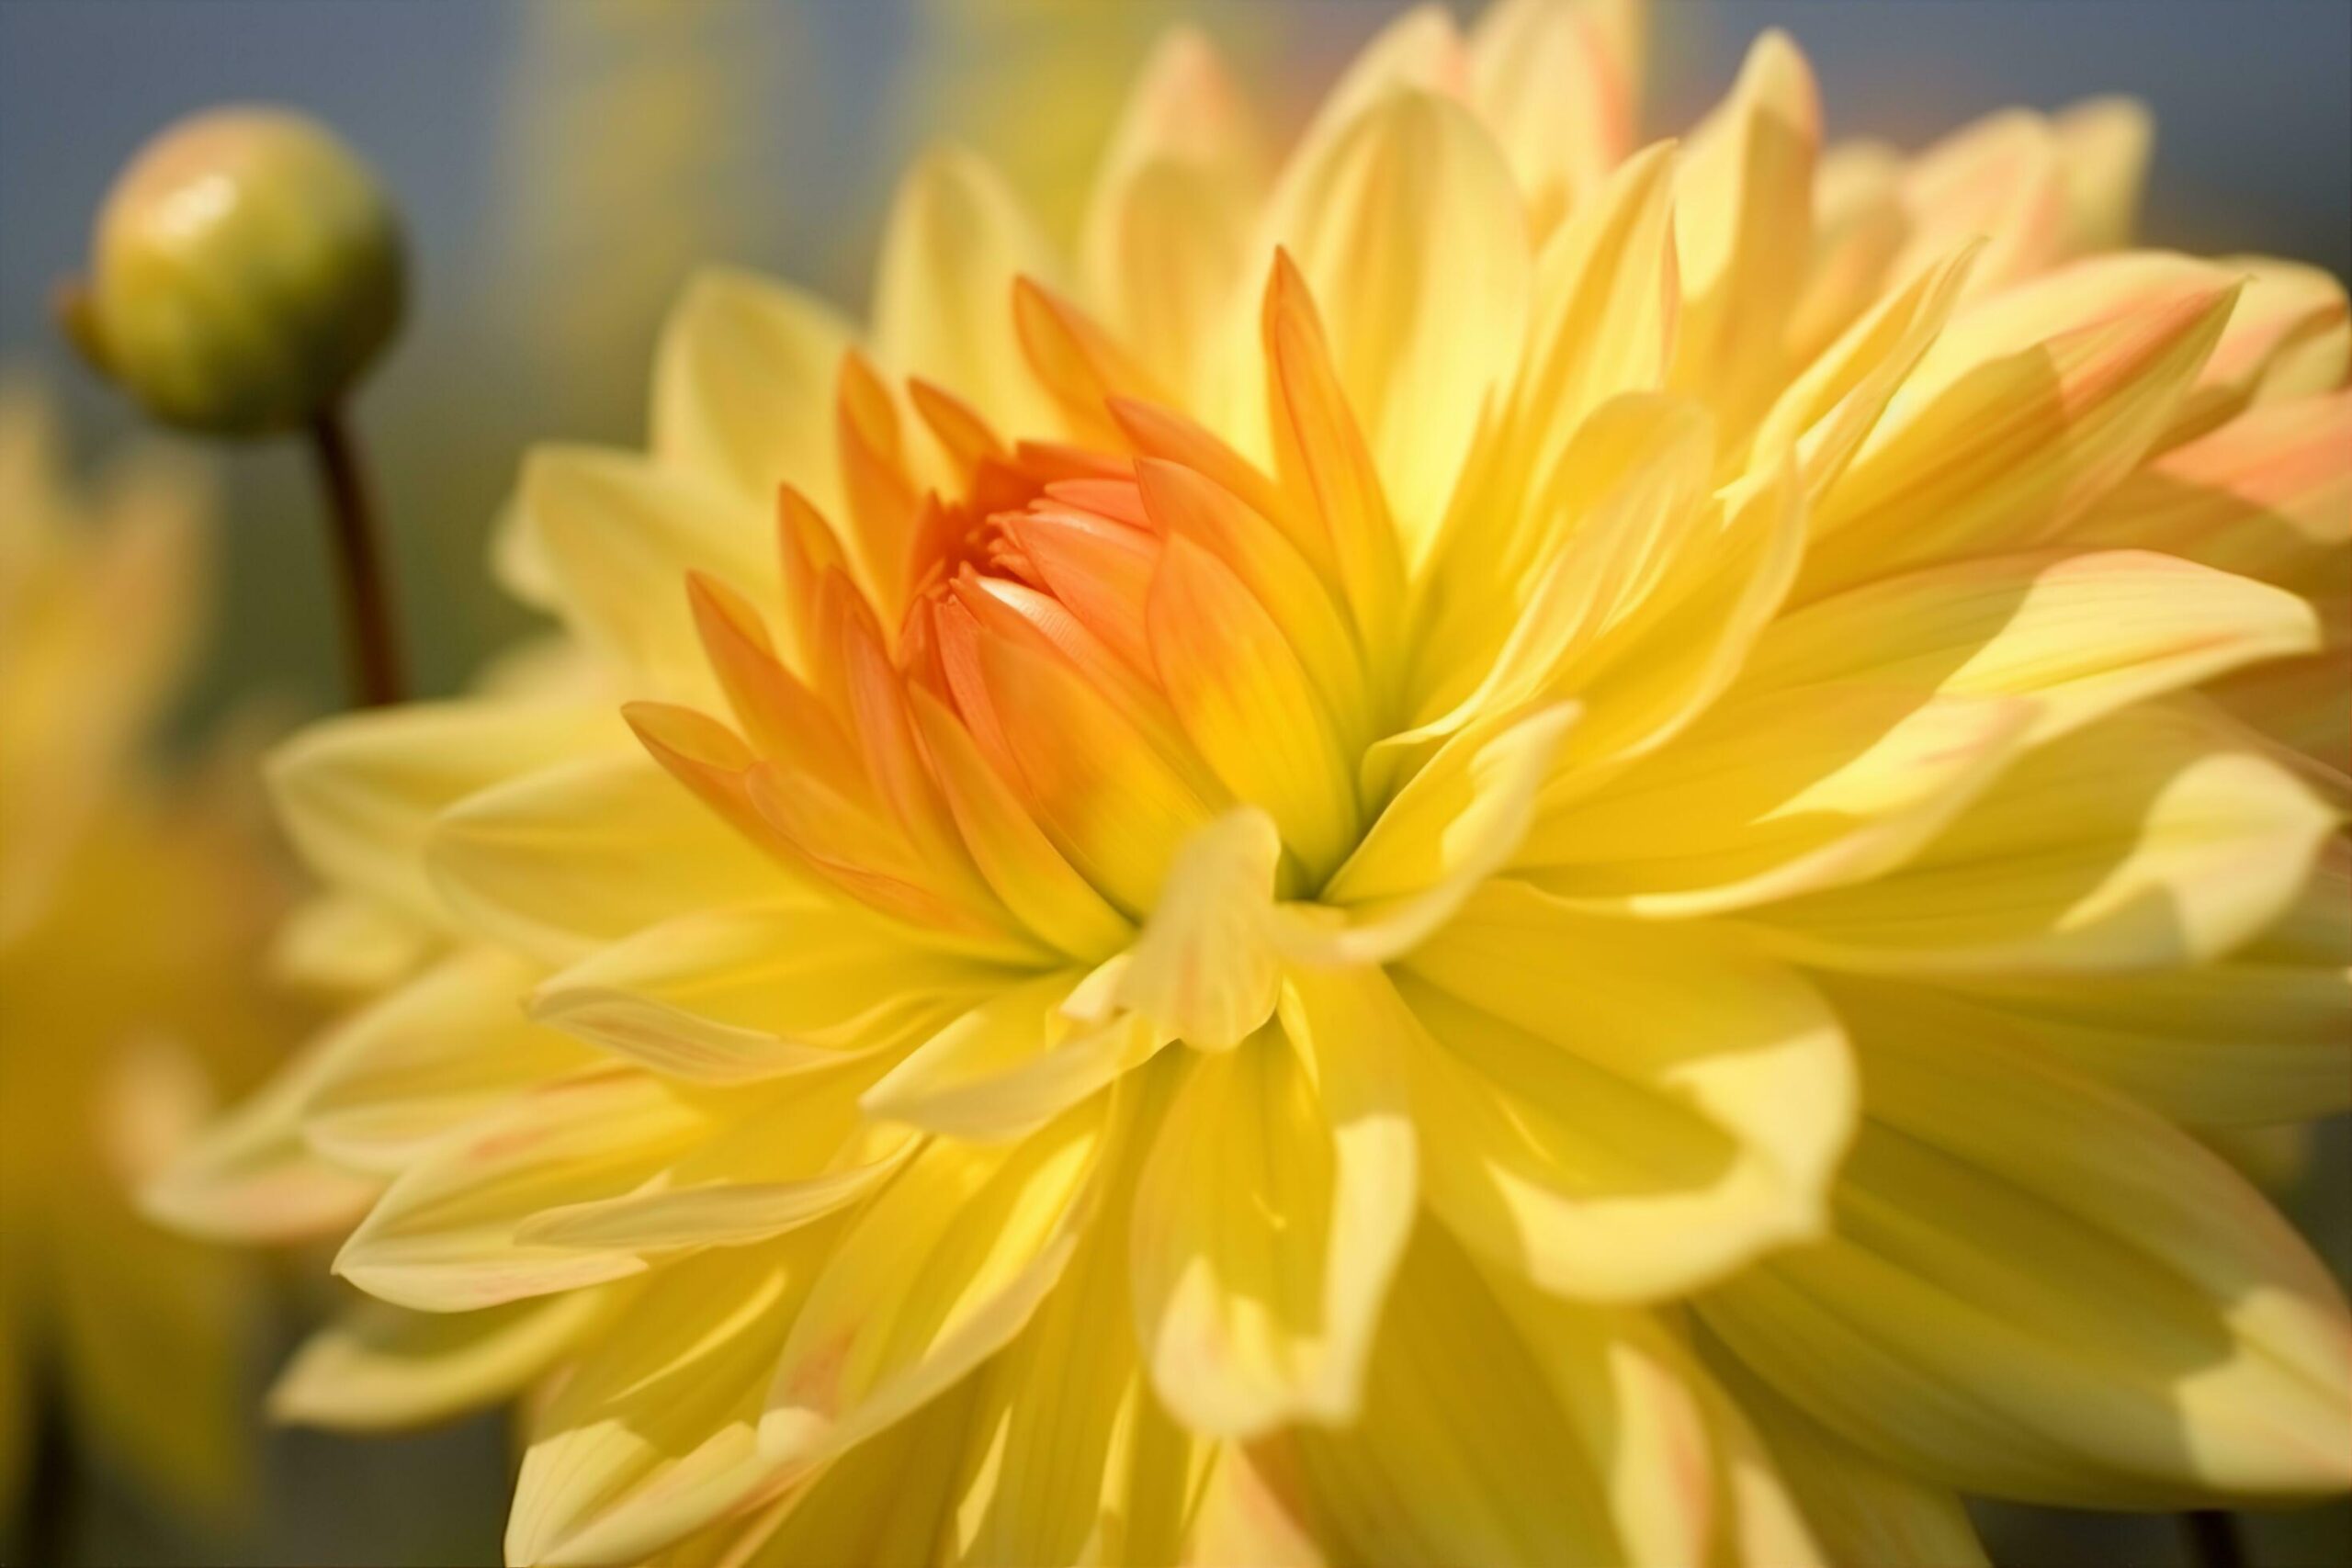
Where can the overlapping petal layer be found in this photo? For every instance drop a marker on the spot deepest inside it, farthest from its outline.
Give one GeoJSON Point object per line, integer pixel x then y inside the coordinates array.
{"type": "Point", "coordinates": [1244, 859]}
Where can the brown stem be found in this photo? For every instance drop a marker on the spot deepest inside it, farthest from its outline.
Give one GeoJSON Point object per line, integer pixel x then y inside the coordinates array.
{"type": "Point", "coordinates": [370, 638]}
{"type": "Point", "coordinates": [2213, 1541]}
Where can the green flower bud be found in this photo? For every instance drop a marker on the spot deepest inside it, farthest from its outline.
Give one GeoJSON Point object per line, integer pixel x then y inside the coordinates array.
{"type": "Point", "coordinates": [247, 270]}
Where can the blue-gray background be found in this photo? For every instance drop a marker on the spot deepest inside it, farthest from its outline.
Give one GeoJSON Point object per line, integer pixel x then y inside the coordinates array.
{"type": "Point", "coordinates": [536, 299]}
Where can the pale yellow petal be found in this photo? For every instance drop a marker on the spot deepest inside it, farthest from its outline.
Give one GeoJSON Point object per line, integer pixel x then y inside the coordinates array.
{"type": "Point", "coordinates": [1011, 1065]}
{"type": "Point", "coordinates": [443, 1237]}
{"type": "Point", "coordinates": [560, 861]}
{"type": "Point", "coordinates": [357, 794]}
{"type": "Point", "coordinates": [940, 1271]}
{"type": "Point", "coordinates": [1774, 795]}
{"type": "Point", "coordinates": [1161, 244]}
{"type": "Point", "coordinates": [655, 1432]}
{"type": "Point", "coordinates": [1205, 968]}
{"type": "Point", "coordinates": [2082, 635]}
{"type": "Point", "coordinates": [957, 238]}
{"type": "Point", "coordinates": [1455, 823]}
{"type": "Point", "coordinates": [887, 1500]}
{"type": "Point", "coordinates": [1410, 235]}
{"type": "Point", "coordinates": [779, 1163]}
{"type": "Point", "coordinates": [1862, 1509]}
{"type": "Point", "coordinates": [618, 534]}
{"type": "Point", "coordinates": [743, 387]}
{"type": "Point", "coordinates": [435, 1052]}
{"type": "Point", "coordinates": [1744, 227]}
{"type": "Point", "coordinates": [2104, 144]}
{"type": "Point", "coordinates": [2151, 841]}
{"type": "Point", "coordinates": [2002, 176]}
{"type": "Point", "coordinates": [2038, 1290]}
{"type": "Point", "coordinates": [251, 1178]}
{"type": "Point", "coordinates": [2029, 408]}
{"type": "Point", "coordinates": [347, 945]}
{"type": "Point", "coordinates": [1462, 1452]}
{"type": "Point", "coordinates": [1601, 325]}
{"type": "Point", "coordinates": [1272, 1212]}
{"type": "Point", "coordinates": [2268, 495]}
{"type": "Point", "coordinates": [376, 1367]}
{"type": "Point", "coordinates": [1620, 1112]}
{"type": "Point", "coordinates": [1546, 80]}
{"type": "Point", "coordinates": [1069, 1459]}
{"type": "Point", "coordinates": [735, 994]}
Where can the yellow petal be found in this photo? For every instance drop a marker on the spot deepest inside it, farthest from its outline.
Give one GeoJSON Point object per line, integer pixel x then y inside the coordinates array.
{"type": "Point", "coordinates": [1665, 663]}
{"type": "Point", "coordinates": [618, 534]}
{"type": "Point", "coordinates": [1337, 507]}
{"type": "Point", "coordinates": [357, 794]}
{"type": "Point", "coordinates": [1620, 1112]}
{"type": "Point", "coordinates": [2082, 635]}
{"type": "Point", "coordinates": [560, 861]}
{"type": "Point", "coordinates": [2153, 840]}
{"type": "Point", "coordinates": [943, 293]}
{"type": "Point", "coordinates": [743, 387]}
{"type": "Point", "coordinates": [380, 1368]}
{"type": "Point", "coordinates": [1187, 504]}
{"type": "Point", "coordinates": [1273, 1210]}
{"type": "Point", "coordinates": [1765, 797]}
{"type": "Point", "coordinates": [2288, 339]}
{"type": "Point", "coordinates": [886, 1500]}
{"type": "Point", "coordinates": [1544, 79]}
{"type": "Point", "coordinates": [1859, 227]}
{"type": "Point", "coordinates": [1247, 705]}
{"type": "Point", "coordinates": [2103, 144]}
{"type": "Point", "coordinates": [1685, 1478]}
{"type": "Point", "coordinates": [1827, 412]}
{"type": "Point", "coordinates": [1862, 1509]}
{"type": "Point", "coordinates": [1069, 1457]}
{"type": "Point", "coordinates": [1114, 801]}
{"type": "Point", "coordinates": [1743, 223]}
{"type": "Point", "coordinates": [2038, 1290]}
{"type": "Point", "coordinates": [779, 1163]}
{"type": "Point", "coordinates": [1205, 968]}
{"type": "Point", "coordinates": [2028, 410]}
{"type": "Point", "coordinates": [250, 1177]}
{"type": "Point", "coordinates": [1462, 1452]}
{"type": "Point", "coordinates": [2005, 177]}
{"type": "Point", "coordinates": [1624, 505]}
{"type": "Point", "coordinates": [1160, 246]}
{"type": "Point", "coordinates": [2303, 703]}
{"type": "Point", "coordinates": [2265, 495]}
{"type": "Point", "coordinates": [726, 995]}
{"type": "Point", "coordinates": [435, 1052]}
{"type": "Point", "coordinates": [654, 1433]}
{"type": "Point", "coordinates": [1413, 243]}
{"type": "Point", "coordinates": [1455, 823]}
{"type": "Point", "coordinates": [1605, 297]}
{"type": "Point", "coordinates": [941, 1269]}
{"type": "Point", "coordinates": [347, 945]}
{"type": "Point", "coordinates": [1010, 1066]}
{"type": "Point", "coordinates": [2249, 1040]}
{"type": "Point", "coordinates": [1420, 49]}
{"type": "Point", "coordinates": [1033, 879]}
{"type": "Point", "coordinates": [443, 1236]}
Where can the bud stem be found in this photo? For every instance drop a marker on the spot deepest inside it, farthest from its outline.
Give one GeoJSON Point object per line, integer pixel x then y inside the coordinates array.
{"type": "Point", "coordinates": [370, 638]}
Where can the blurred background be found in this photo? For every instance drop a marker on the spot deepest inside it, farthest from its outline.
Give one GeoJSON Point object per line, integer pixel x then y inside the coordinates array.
{"type": "Point", "coordinates": [547, 243]}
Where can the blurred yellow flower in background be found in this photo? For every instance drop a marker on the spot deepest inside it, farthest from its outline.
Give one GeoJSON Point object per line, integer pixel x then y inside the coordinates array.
{"type": "Point", "coordinates": [1478, 845]}
{"type": "Point", "coordinates": [132, 912]}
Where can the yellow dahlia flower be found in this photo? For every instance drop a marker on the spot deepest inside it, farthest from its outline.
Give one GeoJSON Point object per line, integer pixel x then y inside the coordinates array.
{"type": "Point", "coordinates": [1483, 846]}
{"type": "Point", "coordinates": [130, 914]}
